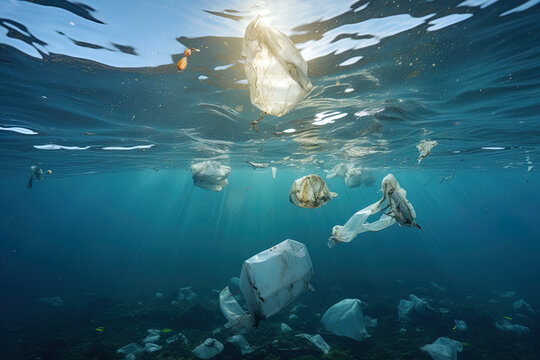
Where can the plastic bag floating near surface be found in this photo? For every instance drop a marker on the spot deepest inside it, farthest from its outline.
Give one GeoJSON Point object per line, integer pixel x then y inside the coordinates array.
{"type": "Point", "coordinates": [310, 192]}
{"type": "Point", "coordinates": [276, 71]}
{"type": "Point", "coordinates": [269, 281]}
{"type": "Point", "coordinates": [210, 175]}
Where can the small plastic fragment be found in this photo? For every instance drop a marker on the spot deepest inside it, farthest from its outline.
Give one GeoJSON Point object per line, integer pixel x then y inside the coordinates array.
{"type": "Point", "coordinates": [310, 192]}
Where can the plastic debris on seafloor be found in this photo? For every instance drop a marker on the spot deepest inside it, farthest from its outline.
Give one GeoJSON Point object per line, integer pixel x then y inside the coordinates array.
{"type": "Point", "coordinates": [210, 175]}
{"type": "Point", "coordinates": [269, 281]}
{"type": "Point", "coordinates": [310, 192]}
{"type": "Point", "coordinates": [347, 319]}
{"type": "Point", "coordinates": [460, 325]}
{"type": "Point", "coordinates": [443, 349]}
{"type": "Point", "coordinates": [316, 340]}
{"type": "Point", "coordinates": [520, 305]}
{"type": "Point", "coordinates": [153, 335]}
{"type": "Point", "coordinates": [406, 307]}
{"type": "Point", "coordinates": [151, 347]}
{"type": "Point", "coordinates": [401, 210]}
{"type": "Point", "coordinates": [53, 301]}
{"type": "Point", "coordinates": [285, 328]}
{"type": "Point", "coordinates": [424, 147]}
{"type": "Point", "coordinates": [257, 165]}
{"type": "Point", "coordinates": [177, 337]}
{"type": "Point", "coordinates": [506, 326]}
{"type": "Point", "coordinates": [132, 348]}
{"type": "Point", "coordinates": [185, 294]}
{"type": "Point", "coordinates": [208, 349]}
{"type": "Point", "coordinates": [276, 71]}
{"type": "Point", "coordinates": [241, 343]}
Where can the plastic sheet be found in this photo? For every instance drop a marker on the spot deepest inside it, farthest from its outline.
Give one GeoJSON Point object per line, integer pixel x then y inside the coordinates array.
{"type": "Point", "coordinates": [210, 175]}
{"type": "Point", "coordinates": [347, 319]}
{"type": "Point", "coordinates": [424, 148]}
{"type": "Point", "coordinates": [269, 281]}
{"type": "Point", "coordinates": [241, 343]}
{"type": "Point", "coordinates": [276, 71]}
{"type": "Point", "coordinates": [318, 341]}
{"type": "Point", "coordinates": [443, 349]}
{"type": "Point", "coordinates": [208, 349]}
{"type": "Point", "coordinates": [310, 192]}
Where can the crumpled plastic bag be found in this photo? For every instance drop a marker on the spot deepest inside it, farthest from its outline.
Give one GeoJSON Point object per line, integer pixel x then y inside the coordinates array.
{"type": "Point", "coordinates": [424, 147]}
{"type": "Point", "coordinates": [316, 340]}
{"type": "Point", "coordinates": [310, 192]}
{"type": "Point", "coordinates": [522, 306]}
{"type": "Point", "coordinates": [210, 175]}
{"type": "Point", "coordinates": [241, 343]}
{"type": "Point", "coordinates": [347, 319]}
{"type": "Point", "coordinates": [401, 210]}
{"type": "Point", "coordinates": [349, 172]}
{"type": "Point", "coordinates": [208, 349]}
{"type": "Point", "coordinates": [276, 71]}
{"type": "Point", "coordinates": [415, 304]}
{"type": "Point", "coordinates": [506, 326]}
{"type": "Point", "coordinates": [460, 325]}
{"type": "Point", "coordinates": [269, 281]}
{"type": "Point", "coordinates": [443, 349]}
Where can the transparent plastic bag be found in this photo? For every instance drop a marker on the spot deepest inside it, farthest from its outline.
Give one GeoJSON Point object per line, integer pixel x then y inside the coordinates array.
{"type": "Point", "coordinates": [310, 192]}
{"type": "Point", "coordinates": [276, 71]}
{"type": "Point", "coordinates": [347, 319]}
{"type": "Point", "coordinates": [210, 175]}
{"type": "Point", "coordinates": [316, 340]}
{"type": "Point", "coordinates": [443, 349]}
{"type": "Point", "coordinates": [208, 349]}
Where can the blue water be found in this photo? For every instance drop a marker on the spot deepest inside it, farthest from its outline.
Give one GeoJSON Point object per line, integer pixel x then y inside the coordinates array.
{"type": "Point", "coordinates": [91, 92]}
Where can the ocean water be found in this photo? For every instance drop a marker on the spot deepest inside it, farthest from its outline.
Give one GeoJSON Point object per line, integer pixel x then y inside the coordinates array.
{"type": "Point", "coordinates": [95, 253]}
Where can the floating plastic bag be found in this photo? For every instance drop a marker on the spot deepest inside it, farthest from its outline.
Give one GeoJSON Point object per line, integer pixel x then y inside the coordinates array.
{"type": "Point", "coordinates": [506, 326]}
{"type": "Point", "coordinates": [415, 304]}
{"type": "Point", "coordinates": [424, 147]}
{"type": "Point", "coordinates": [241, 343]}
{"type": "Point", "coordinates": [210, 175]}
{"type": "Point", "coordinates": [351, 174]}
{"type": "Point", "coordinates": [460, 325]}
{"type": "Point", "coordinates": [132, 348]}
{"type": "Point", "coordinates": [318, 341]}
{"type": "Point", "coordinates": [347, 319]}
{"type": "Point", "coordinates": [521, 306]}
{"type": "Point", "coordinates": [208, 349]}
{"type": "Point", "coordinates": [310, 192]}
{"type": "Point", "coordinates": [443, 349]}
{"type": "Point", "coordinates": [269, 281]}
{"type": "Point", "coordinates": [400, 208]}
{"type": "Point", "coordinates": [276, 71]}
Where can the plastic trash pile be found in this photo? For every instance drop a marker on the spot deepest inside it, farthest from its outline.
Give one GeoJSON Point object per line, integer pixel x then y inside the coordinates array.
{"type": "Point", "coordinates": [276, 71]}
{"type": "Point", "coordinates": [394, 199]}
{"type": "Point", "coordinates": [347, 319]}
{"type": "Point", "coordinates": [269, 281]}
{"type": "Point", "coordinates": [424, 148]}
{"type": "Point", "coordinates": [210, 175]}
{"type": "Point", "coordinates": [443, 349]}
{"type": "Point", "coordinates": [310, 192]}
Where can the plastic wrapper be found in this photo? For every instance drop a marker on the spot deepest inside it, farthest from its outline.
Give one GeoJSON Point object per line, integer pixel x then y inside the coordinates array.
{"type": "Point", "coordinates": [316, 340]}
{"type": "Point", "coordinates": [310, 192]}
{"type": "Point", "coordinates": [443, 349]}
{"type": "Point", "coordinates": [424, 148]}
{"type": "Point", "coordinates": [347, 319]}
{"type": "Point", "coordinates": [276, 71]}
{"type": "Point", "coordinates": [241, 343]}
{"type": "Point", "coordinates": [208, 349]}
{"type": "Point", "coordinates": [269, 281]}
{"type": "Point", "coordinates": [210, 175]}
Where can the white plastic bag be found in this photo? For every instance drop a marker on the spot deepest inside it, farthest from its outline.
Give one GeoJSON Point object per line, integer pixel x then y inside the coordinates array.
{"type": "Point", "coordinates": [241, 343]}
{"type": "Point", "coordinates": [316, 340]}
{"type": "Point", "coordinates": [310, 192]}
{"type": "Point", "coordinates": [210, 175]}
{"type": "Point", "coordinates": [357, 224]}
{"type": "Point", "coordinates": [424, 148]}
{"type": "Point", "coordinates": [400, 208]}
{"type": "Point", "coordinates": [269, 281]}
{"type": "Point", "coordinates": [208, 349]}
{"type": "Point", "coordinates": [276, 71]}
{"type": "Point", "coordinates": [406, 307]}
{"type": "Point", "coordinates": [351, 174]}
{"type": "Point", "coordinates": [443, 349]}
{"type": "Point", "coordinates": [347, 319]}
